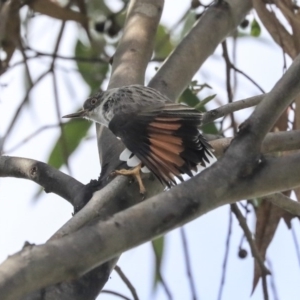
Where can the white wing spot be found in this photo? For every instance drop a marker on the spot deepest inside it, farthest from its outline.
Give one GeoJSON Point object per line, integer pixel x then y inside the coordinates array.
{"type": "Point", "coordinates": [145, 170]}
{"type": "Point", "coordinates": [124, 156]}
{"type": "Point", "coordinates": [133, 161]}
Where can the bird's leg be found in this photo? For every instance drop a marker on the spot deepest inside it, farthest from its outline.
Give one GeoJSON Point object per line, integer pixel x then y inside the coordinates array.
{"type": "Point", "coordinates": [136, 172]}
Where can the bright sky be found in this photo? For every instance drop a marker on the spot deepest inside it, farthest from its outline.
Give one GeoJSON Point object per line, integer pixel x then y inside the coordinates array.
{"type": "Point", "coordinates": [22, 220]}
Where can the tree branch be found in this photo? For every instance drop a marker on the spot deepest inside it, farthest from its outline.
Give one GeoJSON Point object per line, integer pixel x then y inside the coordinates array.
{"type": "Point", "coordinates": [273, 142]}
{"type": "Point", "coordinates": [51, 179]}
{"type": "Point", "coordinates": [275, 102]}
{"type": "Point", "coordinates": [285, 203]}
{"type": "Point", "coordinates": [278, 32]}
{"type": "Point", "coordinates": [95, 208]}
{"type": "Point", "coordinates": [127, 282]}
{"type": "Point", "coordinates": [248, 234]}
{"type": "Point", "coordinates": [224, 110]}
{"type": "Point", "coordinates": [134, 49]}
{"type": "Point", "coordinates": [179, 68]}
{"type": "Point", "coordinates": [70, 257]}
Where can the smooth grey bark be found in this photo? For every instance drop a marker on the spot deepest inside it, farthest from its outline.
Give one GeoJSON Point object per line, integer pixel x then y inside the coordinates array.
{"type": "Point", "coordinates": [51, 179]}
{"type": "Point", "coordinates": [211, 29]}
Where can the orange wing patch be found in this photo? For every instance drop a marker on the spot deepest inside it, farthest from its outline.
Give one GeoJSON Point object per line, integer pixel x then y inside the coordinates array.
{"type": "Point", "coordinates": [176, 149]}
{"type": "Point", "coordinates": [166, 126]}
{"type": "Point", "coordinates": [167, 138]}
{"type": "Point", "coordinates": [167, 156]}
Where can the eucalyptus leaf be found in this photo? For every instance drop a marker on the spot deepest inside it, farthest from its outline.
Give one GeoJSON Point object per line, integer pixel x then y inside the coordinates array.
{"type": "Point", "coordinates": [205, 101]}
{"type": "Point", "coordinates": [163, 46]}
{"type": "Point", "coordinates": [158, 248]}
{"type": "Point", "coordinates": [72, 134]}
{"type": "Point", "coordinates": [255, 28]}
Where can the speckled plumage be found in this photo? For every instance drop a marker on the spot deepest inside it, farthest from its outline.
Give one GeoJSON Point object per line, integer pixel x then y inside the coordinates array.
{"type": "Point", "coordinates": [126, 99]}
{"type": "Point", "coordinates": [164, 136]}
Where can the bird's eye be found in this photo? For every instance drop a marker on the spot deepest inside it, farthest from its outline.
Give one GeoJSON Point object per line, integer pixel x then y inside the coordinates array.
{"type": "Point", "coordinates": [93, 101]}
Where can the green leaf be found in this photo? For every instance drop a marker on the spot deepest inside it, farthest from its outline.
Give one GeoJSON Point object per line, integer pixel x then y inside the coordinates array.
{"type": "Point", "coordinates": [210, 128]}
{"type": "Point", "coordinates": [93, 72]}
{"type": "Point", "coordinates": [158, 248]}
{"type": "Point", "coordinates": [255, 28]}
{"type": "Point", "coordinates": [188, 24]}
{"type": "Point", "coordinates": [205, 101]}
{"type": "Point", "coordinates": [163, 45]}
{"type": "Point", "coordinates": [73, 132]}
{"type": "Point", "coordinates": [192, 100]}
{"type": "Point", "coordinates": [189, 98]}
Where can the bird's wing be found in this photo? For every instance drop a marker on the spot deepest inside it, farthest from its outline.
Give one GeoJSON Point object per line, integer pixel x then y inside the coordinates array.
{"type": "Point", "coordinates": [166, 139]}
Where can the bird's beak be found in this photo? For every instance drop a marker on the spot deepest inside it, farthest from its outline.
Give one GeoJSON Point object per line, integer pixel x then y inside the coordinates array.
{"type": "Point", "coordinates": [80, 114]}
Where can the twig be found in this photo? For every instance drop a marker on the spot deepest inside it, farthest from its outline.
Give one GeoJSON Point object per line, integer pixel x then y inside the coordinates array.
{"type": "Point", "coordinates": [231, 107]}
{"type": "Point", "coordinates": [265, 287]}
{"type": "Point", "coordinates": [225, 257]}
{"type": "Point", "coordinates": [115, 293]}
{"type": "Point", "coordinates": [248, 77]}
{"type": "Point", "coordinates": [188, 263]}
{"type": "Point", "coordinates": [228, 83]}
{"type": "Point", "coordinates": [32, 135]}
{"type": "Point", "coordinates": [275, 28]}
{"type": "Point", "coordinates": [25, 61]}
{"type": "Point", "coordinates": [127, 282]}
{"type": "Point", "coordinates": [272, 280]}
{"type": "Point", "coordinates": [76, 58]}
{"type": "Point", "coordinates": [57, 107]}
{"type": "Point", "coordinates": [13, 121]}
{"type": "Point", "coordinates": [248, 234]}
{"type": "Point", "coordinates": [285, 203]}
{"type": "Point", "coordinates": [230, 65]}
{"type": "Point", "coordinates": [296, 243]}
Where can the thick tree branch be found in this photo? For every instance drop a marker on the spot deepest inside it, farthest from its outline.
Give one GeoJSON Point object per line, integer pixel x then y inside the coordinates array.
{"type": "Point", "coordinates": [273, 142]}
{"type": "Point", "coordinates": [225, 182]}
{"type": "Point", "coordinates": [94, 208]}
{"type": "Point", "coordinates": [275, 102]}
{"type": "Point", "coordinates": [179, 68]}
{"type": "Point", "coordinates": [136, 45]}
{"type": "Point", "coordinates": [129, 64]}
{"type": "Point", "coordinates": [51, 179]}
{"type": "Point", "coordinates": [69, 257]}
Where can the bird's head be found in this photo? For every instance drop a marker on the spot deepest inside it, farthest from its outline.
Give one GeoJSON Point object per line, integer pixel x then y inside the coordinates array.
{"type": "Point", "coordinates": [92, 109]}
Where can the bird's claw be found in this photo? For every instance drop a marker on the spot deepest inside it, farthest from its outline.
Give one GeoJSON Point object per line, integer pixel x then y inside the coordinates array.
{"type": "Point", "coordinates": [135, 172]}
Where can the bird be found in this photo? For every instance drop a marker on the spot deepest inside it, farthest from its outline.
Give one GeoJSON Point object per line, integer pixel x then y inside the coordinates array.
{"type": "Point", "coordinates": [160, 136]}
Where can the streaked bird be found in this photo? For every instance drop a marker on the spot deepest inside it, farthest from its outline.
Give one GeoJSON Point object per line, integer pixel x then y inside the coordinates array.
{"type": "Point", "coordinates": [160, 135]}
